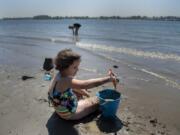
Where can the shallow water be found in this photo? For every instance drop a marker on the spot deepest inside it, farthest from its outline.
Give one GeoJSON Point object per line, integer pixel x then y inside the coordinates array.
{"type": "Point", "coordinates": [152, 47]}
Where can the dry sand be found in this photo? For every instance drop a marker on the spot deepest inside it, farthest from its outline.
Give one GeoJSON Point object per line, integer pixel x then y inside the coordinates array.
{"type": "Point", "coordinates": [24, 110]}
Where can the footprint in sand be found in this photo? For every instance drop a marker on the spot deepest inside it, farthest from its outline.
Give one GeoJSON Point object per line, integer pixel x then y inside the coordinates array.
{"type": "Point", "coordinates": [41, 100]}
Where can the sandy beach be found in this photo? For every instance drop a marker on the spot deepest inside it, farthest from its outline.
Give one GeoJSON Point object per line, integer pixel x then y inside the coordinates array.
{"type": "Point", "coordinates": [24, 108]}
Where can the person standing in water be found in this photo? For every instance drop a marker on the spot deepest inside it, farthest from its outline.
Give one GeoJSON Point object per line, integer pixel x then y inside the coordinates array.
{"type": "Point", "coordinates": [63, 87]}
{"type": "Point", "coordinates": [76, 27]}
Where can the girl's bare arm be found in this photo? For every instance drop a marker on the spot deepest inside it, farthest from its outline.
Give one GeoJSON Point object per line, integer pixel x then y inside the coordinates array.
{"type": "Point", "coordinates": [90, 83]}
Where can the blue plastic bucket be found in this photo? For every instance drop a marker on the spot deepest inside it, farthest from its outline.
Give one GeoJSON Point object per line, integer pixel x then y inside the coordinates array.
{"type": "Point", "coordinates": [109, 102]}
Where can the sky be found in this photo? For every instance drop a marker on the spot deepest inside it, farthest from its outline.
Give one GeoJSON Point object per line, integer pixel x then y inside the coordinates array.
{"type": "Point", "coordinates": [92, 8]}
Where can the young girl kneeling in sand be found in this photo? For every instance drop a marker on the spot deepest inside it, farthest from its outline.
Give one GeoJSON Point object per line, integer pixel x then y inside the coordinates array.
{"type": "Point", "coordinates": [63, 88]}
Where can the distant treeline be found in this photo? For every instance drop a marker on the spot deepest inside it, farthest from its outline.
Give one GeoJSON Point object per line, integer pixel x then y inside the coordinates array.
{"type": "Point", "coordinates": [45, 17]}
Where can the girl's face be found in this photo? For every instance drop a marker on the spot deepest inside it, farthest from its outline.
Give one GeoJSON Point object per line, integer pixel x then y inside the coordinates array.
{"type": "Point", "coordinates": [73, 68]}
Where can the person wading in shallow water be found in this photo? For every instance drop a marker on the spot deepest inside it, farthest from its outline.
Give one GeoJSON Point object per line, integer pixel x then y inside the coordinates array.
{"type": "Point", "coordinates": [64, 87]}
{"type": "Point", "coordinates": [75, 29]}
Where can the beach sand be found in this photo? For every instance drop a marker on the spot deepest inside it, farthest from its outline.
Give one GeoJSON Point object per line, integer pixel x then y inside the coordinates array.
{"type": "Point", "coordinates": [148, 107]}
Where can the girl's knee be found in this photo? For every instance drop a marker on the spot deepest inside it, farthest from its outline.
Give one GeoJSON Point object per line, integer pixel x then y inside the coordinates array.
{"type": "Point", "coordinates": [94, 100]}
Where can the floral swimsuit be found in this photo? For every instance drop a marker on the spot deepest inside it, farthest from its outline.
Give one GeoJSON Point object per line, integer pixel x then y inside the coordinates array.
{"type": "Point", "coordinates": [65, 103]}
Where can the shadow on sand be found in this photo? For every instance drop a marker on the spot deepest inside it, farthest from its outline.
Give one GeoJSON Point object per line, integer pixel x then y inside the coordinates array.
{"type": "Point", "coordinates": [109, 125]}
{"type": "Point", "coordinates": [58, 126]}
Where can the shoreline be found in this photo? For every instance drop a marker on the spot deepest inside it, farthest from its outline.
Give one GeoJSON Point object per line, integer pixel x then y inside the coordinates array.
{"type": "Point", "coordinates": [135, 17]}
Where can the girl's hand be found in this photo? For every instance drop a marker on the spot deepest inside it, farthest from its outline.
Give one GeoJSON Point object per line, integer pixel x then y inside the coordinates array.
{"type": "Point", "coordinates": [80, 93]}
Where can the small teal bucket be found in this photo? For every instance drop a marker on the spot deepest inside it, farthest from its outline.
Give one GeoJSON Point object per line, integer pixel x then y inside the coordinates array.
{"type": "Point", "coordinates": [47, 77]}
{"type": "Point", "coordinates": [109, 102]}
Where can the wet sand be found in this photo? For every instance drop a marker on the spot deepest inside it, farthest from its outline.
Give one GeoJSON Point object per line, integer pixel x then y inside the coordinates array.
{"type": "Point", "coordinates": [148, 107]}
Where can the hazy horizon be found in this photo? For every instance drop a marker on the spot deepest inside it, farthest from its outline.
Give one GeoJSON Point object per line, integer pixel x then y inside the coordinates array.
{"type": "Point", "coordinates": [91, 8]}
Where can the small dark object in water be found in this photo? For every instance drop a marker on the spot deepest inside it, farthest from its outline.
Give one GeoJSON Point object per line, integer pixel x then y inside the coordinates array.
{"type": "Point", "coordinates": [115, 66]}
{"type": "Point", "coordinates": [24, 77]}
{"type": "Point", "coordinates": [48, 64]}
{"type": "Point", "coordinates": [153, 122]}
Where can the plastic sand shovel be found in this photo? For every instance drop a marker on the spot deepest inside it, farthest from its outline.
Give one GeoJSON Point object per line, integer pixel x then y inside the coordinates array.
{"type": "Point", "coordinates": [114, 81]}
